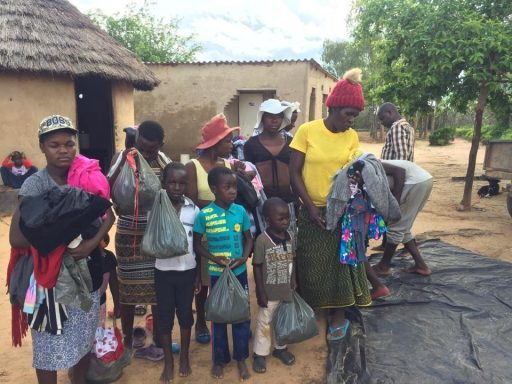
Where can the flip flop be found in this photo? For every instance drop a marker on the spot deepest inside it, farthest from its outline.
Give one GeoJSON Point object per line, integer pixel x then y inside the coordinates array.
{"type": "Point", "coordinates": [139, 337]}
{"type": "Point", "coordinates": [140, 310]}
{"type": "Point", "coordinates": [380, 293]}
{"type": "Point", "coordinates": [149, 322]}
{"type": "Point", "coordinates": [151, 353]}
{"type": "Point", "coordinates": [338, 333]}
{"type": "Point", "coordinates": [203, 336]}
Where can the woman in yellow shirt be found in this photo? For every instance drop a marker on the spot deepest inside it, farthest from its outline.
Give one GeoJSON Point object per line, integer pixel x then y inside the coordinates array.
{"type": "Point", "coordinates": [319, 149]}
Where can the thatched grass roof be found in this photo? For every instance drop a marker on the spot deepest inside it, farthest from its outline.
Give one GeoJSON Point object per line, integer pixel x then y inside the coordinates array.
{"type": "Point", "coordinates": [53, 37]}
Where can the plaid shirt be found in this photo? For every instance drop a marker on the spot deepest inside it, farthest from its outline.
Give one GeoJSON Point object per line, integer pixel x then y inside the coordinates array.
{"type": "Point", "coordinates": [399, 144]}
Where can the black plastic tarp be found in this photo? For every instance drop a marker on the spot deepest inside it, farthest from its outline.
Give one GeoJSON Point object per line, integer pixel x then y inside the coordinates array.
{"type": "Point", "coordinates": [454, 326]}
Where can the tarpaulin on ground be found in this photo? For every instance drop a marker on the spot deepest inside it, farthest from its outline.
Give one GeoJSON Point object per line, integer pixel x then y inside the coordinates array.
{"type": "Point", "coordinates": [454, 326]}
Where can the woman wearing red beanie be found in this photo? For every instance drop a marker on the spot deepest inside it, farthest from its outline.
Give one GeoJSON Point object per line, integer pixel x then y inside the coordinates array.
{"type": "Point", "coordinates": [319, 149]}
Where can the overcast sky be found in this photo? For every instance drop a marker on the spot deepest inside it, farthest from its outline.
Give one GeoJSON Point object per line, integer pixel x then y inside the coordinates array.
{"type": "Point", "coordinates": [250, 30]}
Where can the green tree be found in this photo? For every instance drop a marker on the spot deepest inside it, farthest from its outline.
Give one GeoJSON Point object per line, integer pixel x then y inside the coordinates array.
{"type": "Point", "coordinates": [152, 39]}
{"type": "Point", "coordinates": [460, 49]}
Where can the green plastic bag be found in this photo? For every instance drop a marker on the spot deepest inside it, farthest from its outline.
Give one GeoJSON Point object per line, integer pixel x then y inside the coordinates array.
{"type": "Point", "coordinates": [165, 236]}
{"type": "Point", "coordinates": [228, 302]}
{"type": "Point", "coordinates": [294, 321]}
{"type": "Point", "coordinates": [136, 186]}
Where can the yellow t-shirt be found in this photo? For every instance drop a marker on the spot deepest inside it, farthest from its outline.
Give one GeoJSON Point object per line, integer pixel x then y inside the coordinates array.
{"type": "Point", "coordinates": [326, 153]}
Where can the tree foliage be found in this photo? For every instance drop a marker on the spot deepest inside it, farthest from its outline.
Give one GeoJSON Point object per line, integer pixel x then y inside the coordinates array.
{"type": "Point", "coordinates": [152, 39]}
{"type": "Point", "coordinates": [427, 50]}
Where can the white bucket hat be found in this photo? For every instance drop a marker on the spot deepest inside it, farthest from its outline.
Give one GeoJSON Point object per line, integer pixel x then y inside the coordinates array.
{"type": "Point", "coordinates": [274, 107]}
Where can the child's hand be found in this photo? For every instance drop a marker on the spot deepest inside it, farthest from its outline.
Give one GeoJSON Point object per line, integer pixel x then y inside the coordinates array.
{"type": "Point", "coordinates": [261, 298]}
{"type": "Point", "coordinates": [222, 261]}
{"type": "Point", "coordinates": [293, 282]}
{"type": "Point", "coordinates": [117, 311]}
{"type": "Point", "coordinates": [237, 262]}
{"type": "Point", "coordinates": [197, 283]}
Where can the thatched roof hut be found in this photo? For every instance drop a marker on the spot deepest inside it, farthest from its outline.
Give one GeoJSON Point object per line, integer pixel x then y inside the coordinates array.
{"type": "Point", "coordinates": [53, 37]}
{"type": "Point", "coordinates": [54, 60]}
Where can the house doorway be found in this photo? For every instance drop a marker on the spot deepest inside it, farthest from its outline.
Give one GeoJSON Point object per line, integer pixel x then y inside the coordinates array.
{"type": "Point", "coordinates": [95, 119]}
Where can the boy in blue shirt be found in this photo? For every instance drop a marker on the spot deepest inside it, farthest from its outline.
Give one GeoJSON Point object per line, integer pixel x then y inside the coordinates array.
{"type": "Point", "coordinates": [226, 227]}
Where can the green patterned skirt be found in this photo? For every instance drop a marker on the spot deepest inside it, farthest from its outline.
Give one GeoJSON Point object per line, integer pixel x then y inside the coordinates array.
{"type": "Point", "coordinates": [325, 282]}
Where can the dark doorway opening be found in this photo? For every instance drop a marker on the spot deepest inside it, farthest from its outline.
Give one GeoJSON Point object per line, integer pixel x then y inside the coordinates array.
{"type": "Point", "coordinates": [95, 119]}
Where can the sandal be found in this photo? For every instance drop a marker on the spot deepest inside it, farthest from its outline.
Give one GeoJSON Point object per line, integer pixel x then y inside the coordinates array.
{"type": "Point", "coordinates": [338, 333]}
{"type": "Point", "coordinates": [140, 310]}
{"type": "Point", "coordinates": [380, 293]}
{"type": "Point", "coordinates": [203, 336]}
{"type": "Point", "coordinates": [259, 364]}
{"type": "Point", "coordinates": [151, 353]}
{"type": "Point", "coordinates": [287, 358]}
{"type": "Point", "coordinates": [139, 337]}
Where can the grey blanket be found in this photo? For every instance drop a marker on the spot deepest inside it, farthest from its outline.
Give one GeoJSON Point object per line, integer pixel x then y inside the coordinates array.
{"type": "Point", "coordinates": [376, 185]}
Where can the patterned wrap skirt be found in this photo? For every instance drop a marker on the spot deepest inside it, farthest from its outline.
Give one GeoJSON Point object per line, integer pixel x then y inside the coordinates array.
{"type": "Point", "coordinates": [136, 272]}
{"type": "Point", "coordinates": [324, 282]}
{"type": "Point", "coordinates": [54, 352]}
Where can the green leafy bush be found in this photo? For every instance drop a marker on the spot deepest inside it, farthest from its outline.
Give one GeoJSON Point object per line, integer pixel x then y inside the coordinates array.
{"type": "Point", "coordinates": [489, 132]}
{"type": "Point", "coordinates": [442, 136]}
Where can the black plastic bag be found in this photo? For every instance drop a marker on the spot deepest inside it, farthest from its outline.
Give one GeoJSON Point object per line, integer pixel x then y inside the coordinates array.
{"type": "Point", "coordinates": [165, 236]}
{"type": "Point", "coordinates": [136, 186]}
{"type": "Point", "coordinates": [294, 321]}
{"type": "Point", "coordinates": [58, 216]}
{"type": "Point", "coordinates": [246, 194]}
{"type": "Point", "coordinates": [228, 302]}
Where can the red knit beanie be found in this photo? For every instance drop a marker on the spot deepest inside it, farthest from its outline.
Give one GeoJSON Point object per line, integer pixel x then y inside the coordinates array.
{"type": "Point", "coordinates": [348, 91]}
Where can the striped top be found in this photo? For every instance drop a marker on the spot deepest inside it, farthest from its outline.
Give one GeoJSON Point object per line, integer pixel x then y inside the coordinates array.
{"type": "Point", "coordinates": [399, 144]}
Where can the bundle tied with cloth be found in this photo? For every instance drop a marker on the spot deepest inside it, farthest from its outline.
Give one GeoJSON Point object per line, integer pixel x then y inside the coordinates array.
{"type": "Point", "coordinates": [376, 186]}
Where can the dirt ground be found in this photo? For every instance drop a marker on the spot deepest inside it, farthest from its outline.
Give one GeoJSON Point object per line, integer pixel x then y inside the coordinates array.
{"type": "Point", "coordinates": [486, 230]}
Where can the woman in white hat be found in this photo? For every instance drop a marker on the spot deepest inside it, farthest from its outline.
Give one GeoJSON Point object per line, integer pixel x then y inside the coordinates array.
{"type": "Point", "coordinates": [269, 151]}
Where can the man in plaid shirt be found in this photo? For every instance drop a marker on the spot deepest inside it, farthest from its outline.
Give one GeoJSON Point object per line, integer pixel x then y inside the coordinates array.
{"type": "Point", "coordinates": [399, 144]}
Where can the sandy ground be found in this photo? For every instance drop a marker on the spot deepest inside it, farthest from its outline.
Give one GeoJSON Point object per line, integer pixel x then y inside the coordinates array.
{"type": "Point", "coordinates": [487, 230]}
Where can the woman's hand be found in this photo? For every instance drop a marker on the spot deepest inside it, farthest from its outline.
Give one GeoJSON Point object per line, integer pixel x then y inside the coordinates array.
{"type": "Point", "coordinates": [315, 216]}
{"type": "Point", "coordinates": [84, 249]}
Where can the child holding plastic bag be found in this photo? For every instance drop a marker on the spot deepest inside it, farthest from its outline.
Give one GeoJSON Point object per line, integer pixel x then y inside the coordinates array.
{"type": "Point", "coordinates": [274, 275]}
{"type": "Point", "coordinates": [176, 278]}
{"type": "Point", "coordinates": [227, 229]}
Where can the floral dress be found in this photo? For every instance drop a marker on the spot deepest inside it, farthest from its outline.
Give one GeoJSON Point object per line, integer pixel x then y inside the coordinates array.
{"type": "Point", "coordinates": [359, 222]}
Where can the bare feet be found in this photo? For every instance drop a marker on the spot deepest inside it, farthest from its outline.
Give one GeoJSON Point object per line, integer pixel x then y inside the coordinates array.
{"type": "Point", "coordinates": [243, 371]}
{"type": "Point", "coordinates": [381, 271]}
{"type": "Point", "coordinates": [168, 373]}
{"type": "Point", "coordinates": [185, 369]}
{"type": "Point", "coordinates": [217, 371]}
{"type": "Point", "coordinates": [423, 271]}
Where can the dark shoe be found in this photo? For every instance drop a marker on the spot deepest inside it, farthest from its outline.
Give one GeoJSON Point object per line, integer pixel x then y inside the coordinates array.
{"type": "Point", "coordinates": [140, 310]}
{"type": "Point", "coordinates": [287, 358]}
{"type": "Point", "coordinates": [139, 337]}
{"type": "Point", "coordinates": [151, 353]}
{"type": "Point", "coordinates": [259, 364]}
{"type": "Point", "coordinates": [203, 336]}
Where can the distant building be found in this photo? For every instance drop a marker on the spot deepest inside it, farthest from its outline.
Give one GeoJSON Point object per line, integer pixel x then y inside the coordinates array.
{"type": "Point", "coordinates": [190, 94]}
{"type": "Point", "coordinates": [53, 60]}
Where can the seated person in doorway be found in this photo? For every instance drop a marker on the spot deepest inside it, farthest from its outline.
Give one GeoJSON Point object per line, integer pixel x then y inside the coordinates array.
{"type": "Point", "coordinates": [16, 168]}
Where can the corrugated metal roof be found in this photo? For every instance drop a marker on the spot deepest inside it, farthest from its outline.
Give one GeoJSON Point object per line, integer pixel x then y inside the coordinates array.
{"type": "Point", "coordinates": [313, 62]}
